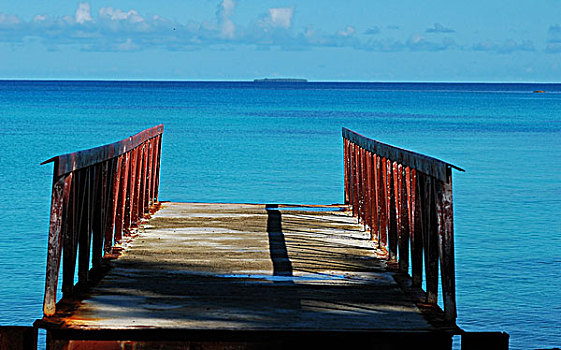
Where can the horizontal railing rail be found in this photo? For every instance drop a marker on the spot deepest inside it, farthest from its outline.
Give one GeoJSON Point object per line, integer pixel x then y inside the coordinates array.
{"type": "Point", "coordinates": [405, 200]}
{"type": "Point", "coordinates": [98, 196]}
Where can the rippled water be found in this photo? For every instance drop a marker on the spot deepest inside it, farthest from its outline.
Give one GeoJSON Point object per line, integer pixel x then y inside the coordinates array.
{"type": "Point", "coordinates": [245, 142]}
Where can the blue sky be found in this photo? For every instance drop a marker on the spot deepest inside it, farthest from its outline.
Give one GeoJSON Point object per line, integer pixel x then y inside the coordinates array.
{"type": "Point", "coordinates": [362, 40]}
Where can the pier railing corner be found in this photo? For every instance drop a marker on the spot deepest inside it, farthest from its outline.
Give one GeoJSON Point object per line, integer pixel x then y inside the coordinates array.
{"type": "Point", "coordinates": [405, 200]}
{"type": "Point", "coordinates": [98, 196]}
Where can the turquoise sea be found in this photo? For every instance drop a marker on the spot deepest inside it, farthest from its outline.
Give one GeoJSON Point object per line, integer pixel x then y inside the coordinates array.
{"type": "Point", "coordinates": [262, 142]}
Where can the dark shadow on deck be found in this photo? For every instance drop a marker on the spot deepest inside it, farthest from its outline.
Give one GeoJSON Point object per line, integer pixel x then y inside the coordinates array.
{"type": "Point", "coordinates": [282, 266]}
{"type": "Point", "coordinates": [277, 244]}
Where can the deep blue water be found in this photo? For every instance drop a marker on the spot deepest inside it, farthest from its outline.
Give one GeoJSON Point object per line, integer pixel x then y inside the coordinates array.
{"type": "Point", "coordinates": [247, 142]}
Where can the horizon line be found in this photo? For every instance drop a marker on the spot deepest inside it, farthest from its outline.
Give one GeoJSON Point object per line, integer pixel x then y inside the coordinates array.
{"type": "Point", "coordinates": [251, 80]}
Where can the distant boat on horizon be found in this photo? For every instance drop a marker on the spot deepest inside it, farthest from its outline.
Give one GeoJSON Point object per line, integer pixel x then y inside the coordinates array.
{"type": "Point", "coordinates": [280, 80]}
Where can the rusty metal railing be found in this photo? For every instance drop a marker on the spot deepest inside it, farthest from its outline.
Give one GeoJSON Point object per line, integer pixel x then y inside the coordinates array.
{"type": "Point", "coordinates": [98, 196]}
{"type": "Point", "coordinates": [405, 200]}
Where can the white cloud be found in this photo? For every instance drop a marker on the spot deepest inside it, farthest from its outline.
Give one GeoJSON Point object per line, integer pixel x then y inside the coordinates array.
{"type": "Point", "coordinates": [39, 18]}
{"type": "Point", "coordinates": [227, 27]}
{"type": "Point", "coordinates": [118, 15]}
{"type": "Point", "coordinates": [281, 16]}
{"type": "Point", "coordinates": [114, 29]}
{"type": "Point", "coordinates": [8, 20]}
{"type": "Point", "coordinates": [347, 32]}
{"type": "Point", "coordinates": [83, 13]}
{"type": "Point", "coordinates": [228, 7]}
{"type": "Point", "coordinates": [128, 45]}
{"type": "Point", "coordinates": [420, 43]}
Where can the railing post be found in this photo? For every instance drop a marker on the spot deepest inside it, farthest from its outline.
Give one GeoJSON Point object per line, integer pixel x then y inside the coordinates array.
{"type": "Point", "coordinates": [60, 195]}
{"type": "Point", "coordinates": [131, 206]}
{"type": "Point", "coordinates": [346, 170]}
{"type": "Point", "coordinates": [98, 213]}
{"type": "Point", "coordinates": [159, 155]}
{"type": "Point", "coordinates": [368, 189]}
{"type": "Point", "coordinates": [91, 193]}
{"type": "Point", "coordinates": [405, 199]}
{"type": "Point", "coordinates": [123, 216]}
{"type": "Point", "coordinates": [431, 242]}
{"type": "Point", "coordinates": [355, 179]}
{"type": "Point", "coordinates": [115, 183]}
{"type": "Point", "coordinates": [446, 247]}
{"type": "Point", "coordinates": [85, 232]}
{"type": "Point", "coordinates": [375, 201]}
{"type": "Point", "coordinates": [364, 192]}
{"type": "Point", "coordinates": [416, 232]}
{"type": "Point", "coordinates": [404, 219]}
{"type": "Point", "coordinates": [149, 174]}
{"type": "Point", "coordinates": [392, 213]}
{"type": "Point", "coordinates": [154, 170]}
{"type": "Point", "coordinates": [72, 227]}
{"type": "Point", "coordinates": [383, 206]}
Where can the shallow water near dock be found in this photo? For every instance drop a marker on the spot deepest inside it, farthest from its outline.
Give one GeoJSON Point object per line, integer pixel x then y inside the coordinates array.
{"type": "Point", "coordinates": [281, 143]}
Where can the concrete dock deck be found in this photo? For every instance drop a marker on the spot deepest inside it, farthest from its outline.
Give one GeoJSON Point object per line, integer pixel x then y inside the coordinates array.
{"type": "Point", "coordinates": [246, 276]}
{"type": "Point", "coordinates": [228, 267]}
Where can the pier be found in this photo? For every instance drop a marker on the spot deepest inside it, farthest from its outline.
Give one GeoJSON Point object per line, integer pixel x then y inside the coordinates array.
{"type": "Point", "coordinates": [138, 272]}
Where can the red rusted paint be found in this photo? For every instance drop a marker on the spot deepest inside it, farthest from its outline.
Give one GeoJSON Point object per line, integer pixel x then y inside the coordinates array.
{"type": "Point", "coordinates": [382, 206]}
{"type": "Point", "coordinates": [358, 182]}
{"type": "Point", "coordinates": [149, 177]}
{"type": "Point", "coordinates": [138, 184]}
{"type": "Point", "coordinates": [416, 233]}
{"type": "Point", "coordinates": [142, 186]}
{"type": "Point", "coordinates": [375, 199]}
{"type": "Point", "coordinates": [90, 199]}
{"type": "Point", "coordinates": [84, 234]}
{"type": "Point", "coordinates": [116, 213]}
{"type": "Point", "coordinates": [392, 215]}
{"type": "Point", "coordinates": [431, 243]}
{"type": "Point", "coordinates": [141, 182]}
{"type": "Point", "coordinates": [355, 180]}
{"type": "Point", "coordinates": [67, 163]}
{"type": "Point", "coordinates": [107, 199]}
{"type": "Point", "coordinates": [350, 172]}
{"type": "Point", "coordinates": [368, 190]}
{"type": "Point", "coordinates": [446, 247]}
{"type": "Point", "coordinates": [158, 157]}
{"type": "Point", "coordinates": [403, 197]}
{"type": "Point", "coordinates": [145, 181]}
{"type": "Point", "coordinates": [98, 209]}
{"type": "Point", "coordinates": [352, 176]}
{"type": "Point", "coordinates": [75, 211]}
{"type": "Point", "coordinates": [362, 190]}
{"type": "Point", "coordinates": [346, 169]}
{"type": "Point", "coordinates": [60, 194]}
{"type": "Point", "coordinates": [154, 158]}
{"type": "Point", "coordinates": [396, 172]}
{"type": "Point", "coordinates": [130, 219]}
{"type": "Point", "coordinates": [159, 154]}
{"type": "Point", "coordinates": [405, 223]}
{"type": "Point", "coordinates": [146, 185]}
{"type": "Point", "coordinates": [431, 166]}
{"type": "Point", "coordinates": [122, 208]}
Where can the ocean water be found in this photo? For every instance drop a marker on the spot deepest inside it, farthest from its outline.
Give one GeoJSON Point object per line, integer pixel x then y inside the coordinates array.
{"type": "Point", "coordinates": [281, 143]}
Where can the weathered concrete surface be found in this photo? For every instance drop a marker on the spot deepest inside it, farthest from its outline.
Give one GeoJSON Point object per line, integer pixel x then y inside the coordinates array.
{"type": "Point", "coordinates": [242, 266]}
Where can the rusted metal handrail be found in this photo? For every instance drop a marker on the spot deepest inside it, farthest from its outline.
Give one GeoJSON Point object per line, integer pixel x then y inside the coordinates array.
{"type": "Point", "coordinates": [405, 200]}
{"type": "Point", "coordinates": [98, 196]}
